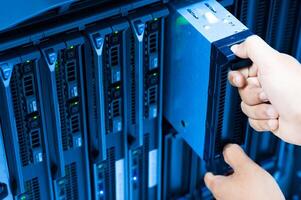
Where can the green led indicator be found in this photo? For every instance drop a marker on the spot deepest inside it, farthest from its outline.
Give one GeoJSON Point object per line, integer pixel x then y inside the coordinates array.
{"type": "Point", "coordinates": [72, 47]}
{"type": "Point", "coordinates": [23, 197]}
{"type": "Point", "coordinates": [155, 74]}
{"type": "Point", "coordinates": [118, 87]}
{"type": "Point", "coordinates": [28, 61]}
{"type": "Point", "coordinates": [57, 66]}
{"type": "Point", "coordinates": [181, 21]}
{"type": "Point", "coordinates": [156, 19]}
{"type": "Point", "coordinates": [35, 117]}
{"type": "Point", "coordinates": [116, 32]}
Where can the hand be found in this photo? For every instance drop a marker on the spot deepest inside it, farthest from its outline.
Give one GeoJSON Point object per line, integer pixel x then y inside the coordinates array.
{"type": "Point", "coordinates": [248, 182]}
{"type": "Point", "coordinates": [270, 89]}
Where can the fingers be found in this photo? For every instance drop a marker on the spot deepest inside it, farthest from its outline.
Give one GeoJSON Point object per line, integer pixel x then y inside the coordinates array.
{"type": "Point", "coordinates": [236, 157]}
{"type": "Point", "coordinates": [260, 111]}
{"type": "Point", "coordinates": [237, 79]}
{"type": "Point", "coordinates": [257, 50]}
{"type": "Point", "coordinates": [250, 89]}
{"type": "Point", "coordinates": [264, 125]}
{"type": "Point", "coordinates": [252, 93]}
{"type": "Point", "coordinates": [218, 185]}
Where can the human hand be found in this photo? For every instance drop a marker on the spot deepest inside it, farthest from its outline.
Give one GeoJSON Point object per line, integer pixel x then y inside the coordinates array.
{"type": "Point", "coordinates": [248, 182]}
{"type": "Point", "coordinates": [270, 89]}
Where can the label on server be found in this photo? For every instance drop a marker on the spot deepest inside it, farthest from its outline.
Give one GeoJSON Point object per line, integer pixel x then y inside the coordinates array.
{"type": "Point", "coordinates": [119, 179]}
{"type": "Point", "coordinates": [152, 168]}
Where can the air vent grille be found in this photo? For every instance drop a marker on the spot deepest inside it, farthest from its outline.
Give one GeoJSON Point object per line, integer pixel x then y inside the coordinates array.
{"type": "Point", "coordinates": [28, 85]}
{"type": "Point", "coordinates": [75, 127]}
{"type": "Point", "coordinates": [238, 121]}
{"type": "Point", "coordinates": [94, 92]}
{"type": "Point", "coordinates": [35, 139]}
{"type": "Point", "coordinates": [71, 181]}
{"type": "Point", "coordinates": [244, 11]}
{"type": "Point", "coordinates": [110, 173]}
{"type": "Point", "coordinates": [71, 70]}
{"type": "Point", "coordinates": [133, 81]}
{"type": "Point", "coordinates": [114, 55]}
{"type": "Point", "coordinates": [116, 108]}
{"type": "Point", "coordinates": [274, 21]}
{"type": "Point", "coordinates": [221, 106]}
{"type": "Point", "coordinates": [144, 171]}
{"type": "Point", "coordinates": [152, 94]}
{"type": "Point", "coordinates": [262, 13]}
{"type": "Point", "coordinates": [33, 189]}
{"type": "Point", "coordinates": [153, 42]}
{"type": "Point", "coordinates": [61, 99]}
{"type": "Point", "coordinates": [19, 116]}
{"type": "Point", "coordinates": [290, 29]}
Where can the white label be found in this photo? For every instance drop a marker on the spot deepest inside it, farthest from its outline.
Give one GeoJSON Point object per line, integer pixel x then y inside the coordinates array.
{"type": "Point", "coordinates": [152, 168]}
{"type": "Point", "coordinates": [119, 179]}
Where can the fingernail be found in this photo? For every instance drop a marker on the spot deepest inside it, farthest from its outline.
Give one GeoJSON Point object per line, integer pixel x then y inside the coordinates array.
{"type": "Point", "coordinates": [272, 113]}
{"type": "Point", "coordinates": [273, 124]}
{"type": "Point", "coordinates": [234, 48]}
{"type": "Point", "coordinates": [263, 97]}
{"type": "Point", "coordinates": [237, 80]}
{"type": "Point", "coordinates": [209, 176]}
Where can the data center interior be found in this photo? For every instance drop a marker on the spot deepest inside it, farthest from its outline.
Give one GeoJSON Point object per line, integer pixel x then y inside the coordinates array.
{"type": "Point", "coordinates": [108, 99]}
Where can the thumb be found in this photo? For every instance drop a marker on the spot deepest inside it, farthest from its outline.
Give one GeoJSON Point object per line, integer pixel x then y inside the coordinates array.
{"type": "Point", "coordinates": [257, 50]}
{"type": "Point", "coordinates": [218, 185]}
{"type": "Point", "coordinates": [236, 157]}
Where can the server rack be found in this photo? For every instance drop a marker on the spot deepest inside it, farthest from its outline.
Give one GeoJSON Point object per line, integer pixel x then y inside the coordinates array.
{"type": "Point", "coordinates": [24, 127]}
{"type": "Point", "coordinates": [144, 77]}
{"type": "Point", "coordinates": [260, 147]}
{"type": "Point", "coordinates": [63, 96]}
{"type": "Point", "coordinates": [106, 85]}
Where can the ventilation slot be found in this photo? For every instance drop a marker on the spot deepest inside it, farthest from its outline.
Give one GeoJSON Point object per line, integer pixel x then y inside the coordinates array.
{"type": "Point", "coordinates": [94, 96]}
{"type": "Point", "coordinates": [262, 12]}
{"type": "Point", "coordinates": [61, 99]}
{"type": "Point", "coordinates": [71, 182]}
{"type": "Point", "coordinates": [33, 189]}
{"type": "Point", "coordinates": [116, 108]}
{"type": "Point", "coordinates": [71, 71]}
{"type": "Point", "coordinates": [28, 85]}
{"type": "Point", "coordinates": [152, 95]}
{"type": "Point", "coordinates": [114, 55]}
{"type": "Point", "coordinates": [292, 16]}
{"type": "Point", "coordinates": [133, 82]}
{"type": "Point", "coordinates": [35, 139]}
{"type": "Point", "coordinates": [19, 116]}
{"type": "Point", "coordinates": [244, 11]}
{"type": "Point", "coordinates": [238, 121]}
{"type": "Point", "coordinates": [144, 170]}
{"type": "Point", "coordinates": [221, 102]}
{"type": "Point", "coordinates": [153, 42]}
{"type": "Point", "coordinates": [110, 173]}
{"type": "Point", "coordinates": [75, 123]}
{"type": "Point", "coordinates": [275, 21]}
